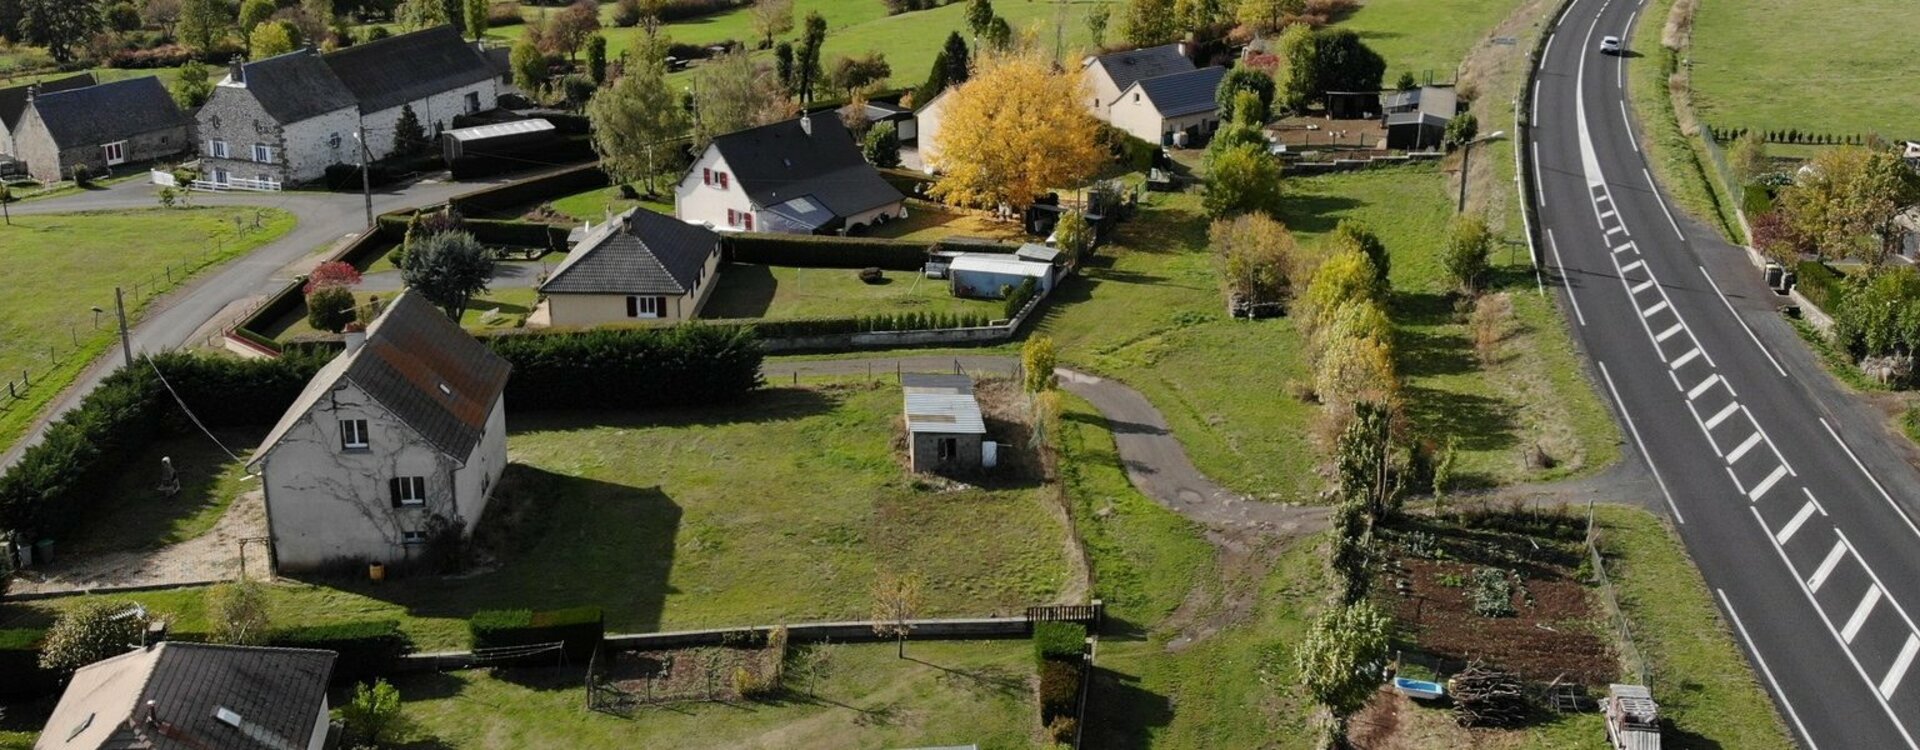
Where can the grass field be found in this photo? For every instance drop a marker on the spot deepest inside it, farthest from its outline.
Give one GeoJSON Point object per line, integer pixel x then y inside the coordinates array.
{"type": "Point", "coordinates": [1148, 310]}
{"type": "Point", "coordinates": [1816, 67]}
{"type": "Point", "coordinates": [756, 291]}
{"type": "Point", "coordinates": [1678, 160]}
{"type": "Point", "coordinates": [778, 509]}
{"type": "Point", "coordinates": [1426, 36]}
{"type": "Point", "coordinates": [946, 693]}
{"type": "Point", "coordinates": [67, 264]}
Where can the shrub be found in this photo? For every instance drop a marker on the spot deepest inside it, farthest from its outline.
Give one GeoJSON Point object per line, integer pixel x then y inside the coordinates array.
{"type": "Point", "coordinates": [883, 145]}
{"type": "Point", "coordinates": [1880, 314]}
{"type": "Point", "coordinates": [1062, 729]}
{"type": "Point", "coordinates": [92, 630]}
{"type": "Point", "coordinates": [1059, 689]}
{"type": "Point", "coordinates": [626, 13]}
{"type": "Point", "coordinates": [239, 613]}
{"type": "Point", "coordinates": [164, 56]}
{"type": "Point", "coordinates": [1018, 297]}
{"type": "Point", "coordinates": [366, 648]}
{"type": "Point", "coordinates": [1820, 284]}
{"type": "Point", "coordinates": [1469, 247]}
{"type": "Point", "coordinates": [504, 14]}
{"type": "Point", "coordinates": [685, 365]}
{"type": "Point", "coordinates": [329, 308]}
{"type": "Point", "coordinates": [1058, 640]}
{"type": "Point", "coordinates": [578, 629]}
{"type": "Point", "coordinates": [373, 715]}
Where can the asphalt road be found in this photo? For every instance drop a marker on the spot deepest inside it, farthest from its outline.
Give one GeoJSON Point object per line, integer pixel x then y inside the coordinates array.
{"type": "Point", "coordinates": [1790, 494]}
{"type": "Point", "coordinates": [323, 218]}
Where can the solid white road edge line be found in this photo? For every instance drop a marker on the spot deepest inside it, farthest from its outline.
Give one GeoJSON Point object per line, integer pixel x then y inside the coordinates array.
{"type": "Point", "coordinates": [1629, 122]}
{"type": "Point", "coordinates": [1815, 501]}
{"type": "Point", "coordinates": [1742, 321]}
{"type": "Point", "coordinates": [1663, 204]}
{"type": "Point", "coordinates": [1635, 429]}
{"type": "Point", "coordinates": [1561, 266]}
{"type": "Point", "coordinates": [1869, 475]}
{"type": "Point", "coordinates": [1762, 661]}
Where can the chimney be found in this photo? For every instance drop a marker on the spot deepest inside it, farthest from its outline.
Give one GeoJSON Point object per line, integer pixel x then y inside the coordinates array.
{"type": "Point", "coordinates": [33, 90]}
{"type": "Point", "coordinates": [806, 123]}
{"type": "Point", "coordinates": [356, 336]}
{"type": "Point", "coordinates": [237, 71]}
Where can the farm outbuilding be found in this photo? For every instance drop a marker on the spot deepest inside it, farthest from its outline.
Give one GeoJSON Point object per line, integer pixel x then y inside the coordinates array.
{"type": "Point", "coordinates": [985, 275]}
{"type": "Point", "coordinates": [498, 139]}
{"type": "Point", "coordinates": [945, 431]}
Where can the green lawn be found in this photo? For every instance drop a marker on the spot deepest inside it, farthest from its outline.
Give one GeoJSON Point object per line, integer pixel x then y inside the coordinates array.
{"type": "Point", "coordinates": [128, 514]}
{"type": "Point", "coordinates": [1422, 36]}
{"type": "Point", "coordinates": [1816, 67]}
{"type": "Point", "coordinates": [755, 291]}
{"type": "Point", "coordinates": [70, 263]}
{"type": "Point", "coordinates": [1148, 311]}
{"type": "Point", "coordinates": [496, 309]}
{"type": "Point", "coordinates": [946, 693]}
{"type": "Point", "coordinates": [594, 205]}
{"type": "Point", "coordinates": [1679, 160]}
{"type": "Point", "coordinates": [778, 509]}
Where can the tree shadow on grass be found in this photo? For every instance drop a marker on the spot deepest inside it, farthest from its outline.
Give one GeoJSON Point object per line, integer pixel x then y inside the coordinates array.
{"type": "Point", "coordinates": [1428, 354]}
{"type": "Point", "coordinates": [1314, 213]}
{"type": "Point", "coordinates": [550, 541]}
{"type": "Point", "coordinates": [745, 291]}
{"type": "Point", "coordinates": [1479, 423]}
{"type": "Point", "coordinates": [1122, 714]}
{"type": "Point", "coordinates": [132, 514]}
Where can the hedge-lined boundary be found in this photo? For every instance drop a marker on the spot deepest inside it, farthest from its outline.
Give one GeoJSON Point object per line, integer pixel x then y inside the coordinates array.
{"type": "Point", "coordinates": [627, 368]}
{"type": "Point", "coordinates": [530, 190]}
{"type": "Point", "coordinates": [578, 629]}
{"type": "Point", "coordinates": [825, 251]}
{"type": "Point", "coordinates": [367, 648]}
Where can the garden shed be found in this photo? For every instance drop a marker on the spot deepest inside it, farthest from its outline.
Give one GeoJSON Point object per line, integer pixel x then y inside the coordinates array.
{"type": "Point", "coordinates": [945, 430]}
{"type": "Point", "coordinates": [984, 275]}
{"type": "Point", "coordinates": [498, 139]}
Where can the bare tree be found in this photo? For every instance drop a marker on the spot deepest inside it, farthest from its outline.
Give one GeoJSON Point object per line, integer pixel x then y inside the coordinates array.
{"type": "Point", "coordinates": [896, 598]}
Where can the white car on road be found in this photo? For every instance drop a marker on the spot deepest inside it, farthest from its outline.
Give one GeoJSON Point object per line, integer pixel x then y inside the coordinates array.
{"type": "Point", "coordinates": [1610, 45]}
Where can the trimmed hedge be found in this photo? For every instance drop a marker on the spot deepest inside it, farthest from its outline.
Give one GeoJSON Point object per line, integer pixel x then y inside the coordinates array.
{"type": "Point", "coordinates": [579, 628]}
{"type": "Point", "coordinates": [20, 663]}
{"type": "Point", "coordinates": [54, 481]}
{"type": "Point", "coordinates": [1064, 641]}
{"type": "Point", "coordinates": [826, 251]}
{"type": "Point", "coordinates": [517, 233]}
{"type": "Point", "coordinates": [367, 648]}
{"type": "Point", "coordinates": [529, 191]}
{"type": "Point", "coordinates": [624, 368]}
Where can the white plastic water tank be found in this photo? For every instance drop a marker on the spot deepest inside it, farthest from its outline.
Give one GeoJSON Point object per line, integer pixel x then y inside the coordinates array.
{"type": "Point", "coordinates": [989, 454]}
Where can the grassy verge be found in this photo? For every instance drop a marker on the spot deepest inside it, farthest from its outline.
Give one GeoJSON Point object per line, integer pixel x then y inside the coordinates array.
{"type": "Point", "coordinates": [70, 263]}
{"type": "Point", "coordinates": [1707, 690]}
{"type": "Point", "coordinates": [949, 693]}
{"type": "Point", "coordinates": [1679, 160]}
{"type": "Point", "coordinates": [756, 291]}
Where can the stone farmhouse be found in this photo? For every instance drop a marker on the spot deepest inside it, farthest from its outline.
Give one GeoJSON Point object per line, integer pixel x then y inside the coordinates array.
{"type": "Point", "coordinates": [99, 127]}
{"type": "Point", "coordinates": [401, 438]}
{"type": "Point", "coordinates": [799, 176]}
{"type": "Point", "coordinates": [284, 119]}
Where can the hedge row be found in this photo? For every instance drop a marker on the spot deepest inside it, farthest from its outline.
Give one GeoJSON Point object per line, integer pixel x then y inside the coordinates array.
{"type": "Point", "coordinates": [580, 629]}
{"type": "Point", "coordinates": [518, 233]}
{"type": "Point", "coordinates": [530, 191]}
{"type": "Point", "coordinates": [20, 663]}
{"type": "Point", "coordinates": [625, 368]}
{"type": "Point", "coordinates": [1058, 649]}
{"type": "Point", "coordinates": [51, 485]}
{"type": "Point", "coordinates": [781, 328]}
{"type": "Point", "coordinates": [1820, 284]}
{"type": "Point", "coordinates": [367, 648]}
{"type": "Point", "coordinates": [824, 251]}
{"type": "Point", "coordinates": [1058, 641]}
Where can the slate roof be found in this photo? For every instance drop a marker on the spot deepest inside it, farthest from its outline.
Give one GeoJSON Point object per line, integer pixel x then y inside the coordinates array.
{"type": "Point", "coordinates": [779, 162]}
{"type": "Point", "coordinates": [399, 69]}
{"type": "Point", "coordinates": [272, 694]}
{"type": "Point", "coordinates": [1183, 93]}
{"type": "Point", "coordinates": [432, 375]}
{"type": "Point", "coordinates": [108, 112]}
{"type": "Point", "coordinates": [295, 86]}
{"type": "Point", "coordinates": [1151, 62]}
{"type": "Point", "coordinates": [641, 252]}
{"type": "Point", "coordinates": [13, 99]}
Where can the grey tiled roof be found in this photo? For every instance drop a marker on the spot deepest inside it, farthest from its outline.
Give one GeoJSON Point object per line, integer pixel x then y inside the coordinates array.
{"type": "Point", "coordinates": [272, 694]}
{"type": "Point", "coordinates": [13, 99]}
{"type": "Point", "coordinates": [108, 112]}
{"type": "Point", "coordinates": [1132, 65]}
{"type": "Point", "coordinates": [396, 70]}
{"type": "Point", "coordinates": [779, 162]}
{"type": "Point", "coordinates": [295, 86]}
{"type": "Point", "coordinates": [431, 374]}
{"type": "Point", "coordinates": [1184, 93]}
{"type": "Point", "coordinates": [641, 252]}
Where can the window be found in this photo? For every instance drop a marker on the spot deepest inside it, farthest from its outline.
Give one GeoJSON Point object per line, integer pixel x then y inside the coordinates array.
{"type": "Point", "coordinates": [408, 492]}
{"type": "Point", "coordinates": [217, 149]}
{"type": "Point", "coordinates": [714, 179]}
{"type": "Point", "coordinates": [220, 176]}
{"type": "Point", "coordinates": [473, 102]}
{"type": "Point", "coordinates": [1136, 97]}
{"type": "Point", "coordinates": [646, 307]}
{"type": "Point", "coordinates": [116, 152]}
{"type": "Point", "coordinates": [263, 153]}
{"type": "Point", "coordinates": [413, 537]}
{"type": "Point", "coordinates": [948, 448]}
{"type": "Point", "coordinates": [353, 434]}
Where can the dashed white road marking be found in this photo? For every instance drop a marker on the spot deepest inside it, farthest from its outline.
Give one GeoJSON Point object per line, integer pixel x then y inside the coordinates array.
{"type": "Point", "coordinates": [1760, 490]}
{"type": "Point", "coordinates": [1683, 359]}
{"type": "Point", "coordinates": [1860, 614]}
{"type": "Point", "coordinates": [1722, 416]}
{"type": "Point", "coordinates": [1540, 194]}
{"type": "Point", "coordinates": [1815, 501]}
{"type": "Point", "coordinates": [1655, 310]}
{"type": "Point", "coordinates": [1667, 334]}
{"type": "Point", "coordinates": [1799, 519]}
{"type": "Point", "coordinates": [1631, 267]}
{"type": "Point", "coordinates": [1643, 286]}
{"type": "Point", "coordinates": [1826, 566]}
{"type": "Point", "coordinates": [1899, 670]}
{"type": "Point", "coordinates": [1740, 451]}
{"type": "Point", "coordinates": [1703, 386]}
{"type": "Point", "coordinates": [1623, 248]}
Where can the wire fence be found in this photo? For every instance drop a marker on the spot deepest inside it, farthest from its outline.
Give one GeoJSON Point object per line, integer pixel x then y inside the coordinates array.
{"type": "Point", "coordinates": [1630, 654]}
{"type": "Point", "coordinates": [92, 330]}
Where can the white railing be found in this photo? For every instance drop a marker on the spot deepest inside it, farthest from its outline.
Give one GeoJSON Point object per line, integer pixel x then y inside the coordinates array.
{"type": "Point", "coordinates": [237, 183]}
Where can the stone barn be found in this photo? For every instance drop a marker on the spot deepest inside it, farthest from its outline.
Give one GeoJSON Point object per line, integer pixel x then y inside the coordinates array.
{"type": "Point", "coordinates": [944, 427]}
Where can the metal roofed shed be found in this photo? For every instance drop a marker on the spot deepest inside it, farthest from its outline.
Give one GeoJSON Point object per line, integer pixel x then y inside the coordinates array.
{"type": "Point", "coordinates": [983, 275]}
{"type": "Point", "coordinates": [1034, 253]}
{"type": "Point", "coordinates": [496, 139]}
{"type": "Point", "coordinates": [945, 429]}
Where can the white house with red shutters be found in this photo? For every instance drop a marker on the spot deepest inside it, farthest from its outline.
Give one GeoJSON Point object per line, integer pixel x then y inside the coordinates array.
{"type": "Point", "coordinates": [799, 176]}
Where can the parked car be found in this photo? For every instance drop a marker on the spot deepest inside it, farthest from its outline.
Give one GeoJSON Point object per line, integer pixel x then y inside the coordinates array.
{"type": "Point", "coordinates": [1610, 45]}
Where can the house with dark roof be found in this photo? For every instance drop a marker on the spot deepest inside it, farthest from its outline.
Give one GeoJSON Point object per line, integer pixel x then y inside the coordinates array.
{"type": "Point", "coordinates": [398, 440]}
{"type": "Point", "coordinates": [281, 120]}
{"type": "Point", "coordinates": [799, 176]}
{"type": "Point", "coordinates": [99, 127]}
{"type": "Point", "coordinates": [1155, 109]}
{"type": "Point", "coordinates": [639, 265]}
{"type": "Point", "coordinates": [195, 696]}
{"type": "Point", "coordinates": [286, 118]}
{"type": "Point", "coordinates": [1106, 76]}
{"type": "Point", "coordinates": [13, 103]}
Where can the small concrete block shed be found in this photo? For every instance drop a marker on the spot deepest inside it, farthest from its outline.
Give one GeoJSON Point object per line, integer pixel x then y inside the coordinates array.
{"type": "Point", "coordinates": [944, 426]}
{"type": "Point", "coordinates": [983, 275]}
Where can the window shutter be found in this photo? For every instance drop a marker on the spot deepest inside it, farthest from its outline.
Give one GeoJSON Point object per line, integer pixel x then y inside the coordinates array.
{"type": "Point", "coordinates": [660, 306]}
{"type": "Point", "coordinates": [724, 181]}
{"type": "Point", "coordinates": [393, 488]}
{"type": "Point", "coordinates": [748, 220]}
{"type": "Point", "coordinates": [633, 307]}
{"type": "Point", "coordinates": [706, 176]}
{"type": "Point", "coordinates": [733, 217]}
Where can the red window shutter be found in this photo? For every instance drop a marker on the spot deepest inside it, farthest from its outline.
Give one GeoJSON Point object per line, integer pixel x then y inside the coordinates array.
{"type": "Point", "coordinates": [732, 217]}
{"type": "Point", "coordinates": [723, 181]}
{"type": "Point", "coordinates": [706, 176]}
{"type": "Point", "coordinates": [747, 219]}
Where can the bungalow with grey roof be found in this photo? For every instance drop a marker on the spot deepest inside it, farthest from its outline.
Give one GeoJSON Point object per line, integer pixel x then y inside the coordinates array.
{"type": "Point", "coordinates": [641, 265]}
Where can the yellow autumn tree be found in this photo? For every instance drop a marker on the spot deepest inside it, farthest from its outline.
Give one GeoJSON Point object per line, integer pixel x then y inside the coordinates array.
{"type": "Point", "coordinates": [1016, 129]}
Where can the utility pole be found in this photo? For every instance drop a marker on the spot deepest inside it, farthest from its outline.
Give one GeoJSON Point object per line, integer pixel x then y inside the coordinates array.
{"type": "Point", "coordinates": [366, 180]}
{"type": "Point", "coordinates": [126, 342]}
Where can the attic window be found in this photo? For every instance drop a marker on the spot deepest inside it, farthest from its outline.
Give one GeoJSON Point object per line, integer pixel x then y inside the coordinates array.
{"type": "Point", "coordinates": [445, 391]}
{"type": "Point", "coordinates": [81, 727]}
{"type": "Point", "coordinates": [226, 716]}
